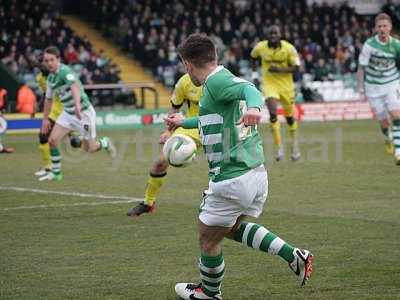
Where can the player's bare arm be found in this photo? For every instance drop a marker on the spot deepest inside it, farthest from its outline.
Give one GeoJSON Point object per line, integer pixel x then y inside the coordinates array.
{"type": "Point", "coordinates": [76, 94]}
{"type": "Point", "coordinates": [167, 133]}
{"type": "Point", "coordinates": [174, 121]}
{"type": "Point", "coordinates": [360, 81]}
{"type": "Point", "coordinates": [46, 111]}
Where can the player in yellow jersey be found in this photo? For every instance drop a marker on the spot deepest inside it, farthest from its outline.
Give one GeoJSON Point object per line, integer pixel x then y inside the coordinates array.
{"type": "Point", "coordinates": [56, 110]}
{"type": "Point", "coordinates": [185, 92]}
{"type": "Point", "coordinates": [279, 61]}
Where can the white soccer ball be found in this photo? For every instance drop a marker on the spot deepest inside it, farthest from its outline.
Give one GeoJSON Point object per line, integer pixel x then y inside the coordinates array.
{"type": "Point", "coordinates": [179, 150]}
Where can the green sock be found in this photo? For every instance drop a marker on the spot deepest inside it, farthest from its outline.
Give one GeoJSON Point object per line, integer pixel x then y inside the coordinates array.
{"type": "Point", "coordinates": [103, 142]}
{"type": "Point", "coordinates": [55, 161]}
{"type": "Point", "coordinates": [212, 269]}
{"type": "Point", "coordinates": [396, 136]}
{"type": "Point", "coordinates": [386, 133]}
{"type": "Point", "coordinates": [260, 238]}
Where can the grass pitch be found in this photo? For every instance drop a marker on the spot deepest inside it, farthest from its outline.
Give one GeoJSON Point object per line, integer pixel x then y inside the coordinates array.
{"type": "Point", "coordinates": [342, 201]}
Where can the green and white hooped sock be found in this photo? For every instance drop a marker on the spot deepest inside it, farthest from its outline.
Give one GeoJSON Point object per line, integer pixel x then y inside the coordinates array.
{"type": "Point", "coordinates": [55, 161]}
{"type": "Point", "coordinates": [386, 133]}
{"type": "Point", "coordinates": [260, 238]}
{"type": "Point", "coordinates": [212, 269]}
{"type": "Point", "coordinates": [396, 136]}
{"type": "Point", "coordinates": [103, 142]}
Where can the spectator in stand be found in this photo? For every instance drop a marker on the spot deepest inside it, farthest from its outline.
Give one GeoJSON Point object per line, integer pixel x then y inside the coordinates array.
{"type": "Point", "coordinates": [70, 55]}
{"type": "Point", "coordinates": [29, 26]}
{"type": "Point", "coordinates": [321, 71]}
{"type": "Point", "coordinates": [149, 26]}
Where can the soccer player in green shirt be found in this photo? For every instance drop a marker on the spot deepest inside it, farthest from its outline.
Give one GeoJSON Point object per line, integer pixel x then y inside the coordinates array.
{"type": "Point", "coordinates": [379, 78]}
{"type": "Point", "coordinates": [228, 117]}
{"type": "Point", "coordinates": [78, 113]}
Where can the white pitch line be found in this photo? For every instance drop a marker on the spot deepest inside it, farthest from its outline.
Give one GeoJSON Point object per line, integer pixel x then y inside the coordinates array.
{"type": "Point", "coordinates": [68, 205]}
{"type": "Point", "coordinates": [122, 199]}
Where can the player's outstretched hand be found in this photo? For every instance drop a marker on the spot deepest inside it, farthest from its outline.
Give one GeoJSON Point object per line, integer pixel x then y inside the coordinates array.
{"type": "Point", "coordinates": [164, 136]}
{"type": "Point", "coordinates": [173, 121]}
{"type": "Point", "coordinates": [251, 117]}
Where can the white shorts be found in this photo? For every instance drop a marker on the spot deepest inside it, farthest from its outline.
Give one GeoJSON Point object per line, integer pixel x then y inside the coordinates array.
{"type": "Point", "coordinates": [385, 103]}
{"type": "Point", "coordinates": [86, 127]}
{"type": "Point", "coordinates": [226, 200]}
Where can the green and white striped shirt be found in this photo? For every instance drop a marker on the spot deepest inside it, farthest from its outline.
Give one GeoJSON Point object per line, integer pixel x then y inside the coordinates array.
{"type": "Point", "coordinates": [59, 84]}
{"type": "Point", "coordinates": [231, 149]}
{"type": "Point", "coordinates": [379, 60]}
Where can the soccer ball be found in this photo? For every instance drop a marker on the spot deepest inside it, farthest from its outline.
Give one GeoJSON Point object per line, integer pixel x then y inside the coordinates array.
{"type": "Point", "coordinates": [179, 150]}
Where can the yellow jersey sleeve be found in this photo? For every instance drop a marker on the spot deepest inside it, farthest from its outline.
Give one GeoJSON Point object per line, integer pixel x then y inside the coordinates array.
{"type": "Point", "coordinates": [255, 53]}
{"type": "Point", "coordinates": [186, 92]}
{"type": "Point", "coordinates": [41, 80]}
{"type": "Point", "coordinates": [293, 56]}
{"type": "Point", "coordinates": [178, 96]}
{"type": "Point", "coordinates": [56, 106]}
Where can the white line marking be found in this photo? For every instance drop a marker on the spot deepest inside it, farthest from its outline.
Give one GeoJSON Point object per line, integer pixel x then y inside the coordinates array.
{"type": "Point", "coordinates": [68, 205]}
{"type": "Point", "coordinates": [120, 199]}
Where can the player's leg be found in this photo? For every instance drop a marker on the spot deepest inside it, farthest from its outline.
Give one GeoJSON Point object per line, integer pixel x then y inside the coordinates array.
{"type": "Point", "coordinates": [393, 106]}
{"type": "Point", "coordinates": [157, 176]}
{"type": "Point", "coordinates": [272, 105]}
{"type": "Point", "coordinates": [44, 149]}
{"type": "Point", "coordinates": [211, 265]}
{"type": "Point", "coordinates": [3, 129]}
{"type": "Point", "coordinates": [271, 101]}
{"type": "Point", "coordinates": [259, 237]}
{"type": "Point", "coordinates": [4, 149]}
{"type": "Point", "coordinates": [396, 134]}
{"type": "Point", "coordinates": [387, 135]}
{"type": "Point", "coordinates": [378, 106]}
{"type": "Point", "coordinates": [287, 100]}
{"type": "Point", "coordinates": [87, 129]}
{"type": "Point", "coordinates": [59, 131]}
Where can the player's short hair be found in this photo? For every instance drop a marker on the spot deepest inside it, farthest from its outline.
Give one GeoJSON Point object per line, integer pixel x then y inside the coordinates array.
{"type": "Point", "coordinates": [383, 16]}
{"type": "Point", "coordinates": [198, 49]}
{"type": "Point", "coordinates": [53, 50]}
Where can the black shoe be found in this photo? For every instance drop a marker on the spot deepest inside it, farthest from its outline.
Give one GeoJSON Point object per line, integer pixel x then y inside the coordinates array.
{"type": "Point", "coordinates": [139, 209]}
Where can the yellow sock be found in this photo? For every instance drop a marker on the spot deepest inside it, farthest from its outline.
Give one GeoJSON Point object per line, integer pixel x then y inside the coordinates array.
{"type": "Point", "coordinates": [45, 153]}
{"type": "Point", "coordinates": [276, 132]}
{"type": "Point", "coordinates": [154, 184]}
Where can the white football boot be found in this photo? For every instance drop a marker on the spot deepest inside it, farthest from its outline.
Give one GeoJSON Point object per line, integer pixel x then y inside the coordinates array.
{"type": "Point", "coordinates": [192, 291]}
{"type": "Point", "coordinates": [51, 177]}
{"type": "Point", "coordinates": [42, 172]}
{"type": "Point", "coordinates": [280, 153]}
{"type": "Point", "coordinates": [302, 265]}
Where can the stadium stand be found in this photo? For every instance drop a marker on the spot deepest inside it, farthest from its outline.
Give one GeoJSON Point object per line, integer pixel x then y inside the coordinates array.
{"type": "Point", "coordinates": [26, 28]}
{"type": "Point", "coordinates": [328, 38]}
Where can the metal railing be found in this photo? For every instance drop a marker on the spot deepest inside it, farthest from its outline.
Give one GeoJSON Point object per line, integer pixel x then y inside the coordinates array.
{"type": "Point", "coordinates": [142, 101]}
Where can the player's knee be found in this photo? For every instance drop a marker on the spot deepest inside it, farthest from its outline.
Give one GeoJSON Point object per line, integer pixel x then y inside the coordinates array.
{"type": "Point", "coordinates": [43, 138]}
{"type": "Point", "coordinates": [273, 118]}
{"type": "Point", "coordinates": [290, 120]}
{"type": "Point", "coordinates": [53, 142]}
